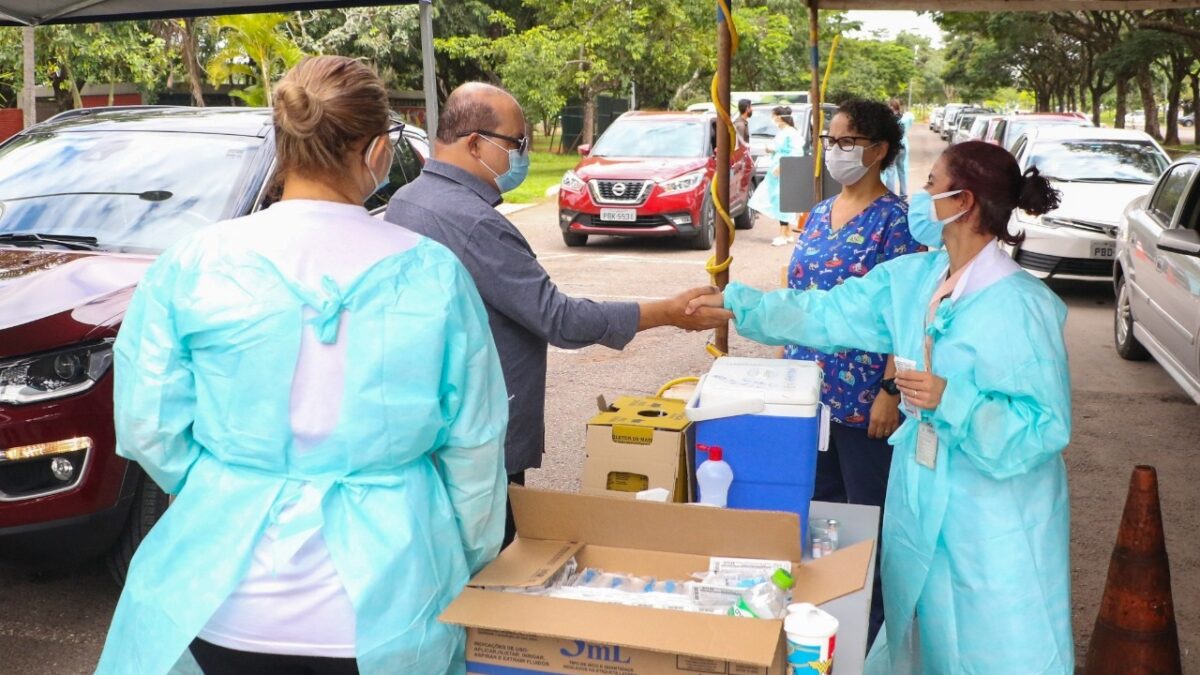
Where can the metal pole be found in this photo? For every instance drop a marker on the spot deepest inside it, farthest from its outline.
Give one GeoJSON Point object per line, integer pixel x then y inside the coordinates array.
{"type": "Point", "coordinates": [916, 48]}
{"type": "Point", "coordinates": [814, 95]}
{"type": "Point", "coordinates": [28, 98]}
{"type": "Point", "coordinates": [724, 151]}
{"type": "Point", "coordinates": [429, 67]}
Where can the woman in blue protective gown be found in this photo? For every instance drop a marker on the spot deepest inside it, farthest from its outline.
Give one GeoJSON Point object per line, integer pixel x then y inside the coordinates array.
{"type": "Point", "coordinates": [976, 571]}
{"type": "Point", "coordinates": [320, 391]}
{"type": "Point", "coordinates": [765, 199]}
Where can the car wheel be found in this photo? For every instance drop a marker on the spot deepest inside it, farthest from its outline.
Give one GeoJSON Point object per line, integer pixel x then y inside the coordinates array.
{"type": "Point", "coordinates": [1128, 346]}
{"type": "Point", "coordinates": [149, 504]}
{"type": "Point", "coordinates": [574, 239]}
{"type": "Point", "coordinates": [744, 220]}
{"type": "Point", "coordinates": [708, 225]}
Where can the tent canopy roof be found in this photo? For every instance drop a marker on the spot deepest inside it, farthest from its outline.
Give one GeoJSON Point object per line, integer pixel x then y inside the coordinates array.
{"type": "Point", "coordinates": [34, 12]}
{"type": "Point", "coordinates": [38, 12]}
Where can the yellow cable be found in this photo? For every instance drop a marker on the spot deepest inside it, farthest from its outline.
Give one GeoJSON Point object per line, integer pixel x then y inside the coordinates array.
{"type": "Point", "coordinates": [713, 267]}
{"type": "Point", "coordinates": [820, 114]}
{"type": "Point", "coordinates": [674, 383]}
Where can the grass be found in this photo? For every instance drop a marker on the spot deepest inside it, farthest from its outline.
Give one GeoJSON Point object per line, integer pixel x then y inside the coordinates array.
{"type": "Point", "coordinates": [545, 170]}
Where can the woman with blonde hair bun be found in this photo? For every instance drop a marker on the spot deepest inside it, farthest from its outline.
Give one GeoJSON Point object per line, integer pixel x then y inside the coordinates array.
{"type": "Point", "coordinates": [320, 391]}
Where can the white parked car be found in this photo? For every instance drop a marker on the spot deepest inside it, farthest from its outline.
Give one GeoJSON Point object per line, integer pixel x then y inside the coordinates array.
{"type": "Point", "coordinates": [1099, 172]}
{"type": "Point", "coordinates": [1157, 277]}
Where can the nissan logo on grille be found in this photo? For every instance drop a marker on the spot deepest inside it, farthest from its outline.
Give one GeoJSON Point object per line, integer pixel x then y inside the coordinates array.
{"type": "Point", "coordinates": [619, 190]}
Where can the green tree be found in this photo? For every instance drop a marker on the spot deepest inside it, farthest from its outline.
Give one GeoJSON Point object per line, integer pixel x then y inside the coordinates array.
{"type": "Point", "coordinates": [386, 37]}
{"type": "Point", "coordinates": [254, 49]}
{"type": "Point", "coordinates": [110, 53]}
{"type": "Point", "coordinates": [872, 69]}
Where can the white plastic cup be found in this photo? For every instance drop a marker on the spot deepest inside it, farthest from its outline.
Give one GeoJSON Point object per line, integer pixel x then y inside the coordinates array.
{"type": "Point", "coordinates": [811, 638]}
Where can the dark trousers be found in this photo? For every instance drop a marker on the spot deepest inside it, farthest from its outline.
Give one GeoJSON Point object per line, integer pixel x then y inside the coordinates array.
{"type": "Point", "coordinates": [215, 660]}
{"type": "Point", "coordinates": [855, 470]}
{"type": "Point", "coordinates": [510, 525]}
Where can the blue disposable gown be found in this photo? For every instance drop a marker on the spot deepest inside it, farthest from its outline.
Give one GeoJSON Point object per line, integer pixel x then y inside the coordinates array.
{"type": "Point", "coordinates": [765, 199]}
{"type": "Point", "coordinates": [976, 549]}
{"type": "Point", "coordinates": [411, 481]}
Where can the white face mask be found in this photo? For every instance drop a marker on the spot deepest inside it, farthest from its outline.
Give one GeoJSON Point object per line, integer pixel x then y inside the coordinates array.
{"type": "Point", "coordinates": [846, 166]}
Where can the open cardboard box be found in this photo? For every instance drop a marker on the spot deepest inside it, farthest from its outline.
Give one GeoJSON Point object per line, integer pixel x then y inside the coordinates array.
{"type": "Point", "coordinates": [512, 633]}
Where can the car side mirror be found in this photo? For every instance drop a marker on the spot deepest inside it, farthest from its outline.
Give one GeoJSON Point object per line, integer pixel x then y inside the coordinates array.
{"type": "Point", "coordinates": [585, 149]}
{"type": "Point", "coordinates": [1182, 241]}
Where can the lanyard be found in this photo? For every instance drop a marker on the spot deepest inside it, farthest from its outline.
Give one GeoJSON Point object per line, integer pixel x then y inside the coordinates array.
{"type": "Point", "coordinates": [942, 292]}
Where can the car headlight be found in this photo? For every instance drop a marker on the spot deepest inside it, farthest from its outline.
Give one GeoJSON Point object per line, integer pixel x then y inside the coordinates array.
{"type": "Point", "coordinates": [684, 183]}
{"type": "Point", "coordinates": [54, 375]}
{"type": "Point", "coordinates": [572, 182]}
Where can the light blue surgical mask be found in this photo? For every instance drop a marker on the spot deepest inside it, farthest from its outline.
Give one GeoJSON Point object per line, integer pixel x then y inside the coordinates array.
{"type": "Point", "coordinates": [518, 168]}
{"type": "Point", "coordinates": [923, 222]}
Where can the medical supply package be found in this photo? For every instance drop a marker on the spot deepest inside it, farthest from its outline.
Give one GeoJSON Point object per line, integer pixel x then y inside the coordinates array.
{"type": "Point", "coordinates": [537, 633]}
{"type": "Point", "coordinates": [637, 444]}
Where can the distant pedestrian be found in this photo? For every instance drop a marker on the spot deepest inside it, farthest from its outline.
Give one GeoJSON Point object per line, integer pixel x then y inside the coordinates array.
{"type": "Point", "coordinates": [765, 199]}
{"type": "Point", "coordinates": [742, 122]}
{"type": "Point", "coordinates": [896, 176]}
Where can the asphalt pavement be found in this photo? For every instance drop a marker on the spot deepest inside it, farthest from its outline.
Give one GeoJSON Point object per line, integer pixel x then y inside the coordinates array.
{"type": "Point", "coordinates": [1125, 414]}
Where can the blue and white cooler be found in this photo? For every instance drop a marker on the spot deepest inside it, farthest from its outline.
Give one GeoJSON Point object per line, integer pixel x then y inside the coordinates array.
{"type": "Point", "coordinates": [766, 415]}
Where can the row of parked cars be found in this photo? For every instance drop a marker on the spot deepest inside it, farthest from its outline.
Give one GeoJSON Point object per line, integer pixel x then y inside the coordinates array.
{"type": "Point", "coordinates": [87, 201]}
{"type": "Point", "coordinates": [1129, 216]}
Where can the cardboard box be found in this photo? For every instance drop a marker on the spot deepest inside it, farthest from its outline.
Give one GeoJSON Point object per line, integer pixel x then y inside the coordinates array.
{"type": "Point", "coordinates": [512, 633]}
{"type": "Point", "coordinates": [638, 444]}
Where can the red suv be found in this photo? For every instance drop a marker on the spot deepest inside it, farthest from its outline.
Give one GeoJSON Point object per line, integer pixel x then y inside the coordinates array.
{"type": "Point", "coordinates": [87, 200]}
{"type": "Point", "coordinates": [648, 176]}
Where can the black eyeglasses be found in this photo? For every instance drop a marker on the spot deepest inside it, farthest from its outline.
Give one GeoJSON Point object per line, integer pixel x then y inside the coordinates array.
{"type": "Point", "coordinates": [522, 143]}
{"type": "Point", "coordinates": [846, 143]}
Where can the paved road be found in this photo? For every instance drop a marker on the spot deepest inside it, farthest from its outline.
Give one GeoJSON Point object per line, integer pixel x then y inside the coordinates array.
{"type": "Point", "coordinates": [1125, 414]}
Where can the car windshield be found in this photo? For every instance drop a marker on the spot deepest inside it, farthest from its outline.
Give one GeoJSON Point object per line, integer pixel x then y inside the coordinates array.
{"type": "Point", "coordinates": [648, 138]}
{"type": "Point", "coordinates": [130, 190]}
{"type": "Point", "coordinates": [1099, 160]}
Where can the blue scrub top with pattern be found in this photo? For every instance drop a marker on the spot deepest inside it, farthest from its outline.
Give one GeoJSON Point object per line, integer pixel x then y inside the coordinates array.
{"type": "Point", "coordinates": [824, 259]}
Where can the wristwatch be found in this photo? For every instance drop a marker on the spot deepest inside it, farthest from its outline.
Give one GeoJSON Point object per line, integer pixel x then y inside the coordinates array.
{"type": "Point", "coordinates": [889, 385]}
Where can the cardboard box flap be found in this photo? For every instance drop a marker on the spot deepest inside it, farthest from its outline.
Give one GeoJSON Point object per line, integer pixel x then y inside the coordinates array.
{"type": "Point", "coordinates": [526, 563]}
{"type": "Point", "coordinates": [830, 577]}
{"type": "Point", "coordinates": [645, 413]}
{"type": "Point", "coordinates": [673, 528]}
{"type": "Point", "coordinates": [724, 638]}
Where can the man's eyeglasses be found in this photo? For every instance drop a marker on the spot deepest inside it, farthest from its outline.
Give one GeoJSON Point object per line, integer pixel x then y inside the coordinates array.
{"type": "Point", "coordinates": [522, 143]}
{"type": "Point", "coordinates": [846, 143]}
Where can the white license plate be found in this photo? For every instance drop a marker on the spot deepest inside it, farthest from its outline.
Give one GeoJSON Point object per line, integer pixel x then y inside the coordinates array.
{"type": "Point", "coordinates": [1104, 251]}
{"type": "Point", "coordinates": [618, 215]}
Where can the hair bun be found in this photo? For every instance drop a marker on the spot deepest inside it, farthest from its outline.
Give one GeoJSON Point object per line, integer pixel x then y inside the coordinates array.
{"type": "Point", "coordinates": [1037, 196]}
{"type": "Point", "coordinates": [299, 113]}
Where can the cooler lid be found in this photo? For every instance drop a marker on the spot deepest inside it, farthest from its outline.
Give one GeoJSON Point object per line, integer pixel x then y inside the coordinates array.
{"type": "Point", "coordinates": [774, 381]}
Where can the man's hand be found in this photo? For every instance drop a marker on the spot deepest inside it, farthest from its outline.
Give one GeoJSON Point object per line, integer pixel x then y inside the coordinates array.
{"type": "Point", "coordinates": [885, 416]}
{"type": "Point", "coordinates": [676, 311]}
{"type": "Point", "coordinates": [921, 389]}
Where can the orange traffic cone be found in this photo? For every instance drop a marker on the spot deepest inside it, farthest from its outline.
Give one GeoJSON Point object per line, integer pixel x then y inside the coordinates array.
{"type": "Point", "coordinates": [1135, 632]}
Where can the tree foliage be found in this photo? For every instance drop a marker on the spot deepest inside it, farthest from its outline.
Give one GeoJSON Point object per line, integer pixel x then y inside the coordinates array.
{"type": "Point", "coordinates": [253, 50]}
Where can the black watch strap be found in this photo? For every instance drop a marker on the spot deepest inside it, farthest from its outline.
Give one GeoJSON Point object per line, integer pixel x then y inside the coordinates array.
{"type": "Point", "coordinates": [889, 385]}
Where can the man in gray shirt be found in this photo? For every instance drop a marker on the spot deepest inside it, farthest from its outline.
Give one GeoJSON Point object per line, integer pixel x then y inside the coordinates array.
{"type": "Point", "coordinates": [481, 149]}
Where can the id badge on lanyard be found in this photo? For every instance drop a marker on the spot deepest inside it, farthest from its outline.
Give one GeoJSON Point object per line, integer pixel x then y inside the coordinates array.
{"type": "Point", "coordinates": [927, 440]}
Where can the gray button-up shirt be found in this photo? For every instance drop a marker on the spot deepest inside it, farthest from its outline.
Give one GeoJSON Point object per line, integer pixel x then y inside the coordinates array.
{"type": "Point", "coordinates": [526, 310]}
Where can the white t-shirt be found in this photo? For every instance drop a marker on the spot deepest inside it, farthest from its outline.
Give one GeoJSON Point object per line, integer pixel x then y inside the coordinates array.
{"type": "Point", "coordinates": [299, 606]}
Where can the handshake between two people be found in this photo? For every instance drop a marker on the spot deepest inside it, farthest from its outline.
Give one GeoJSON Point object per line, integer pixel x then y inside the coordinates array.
{"type": "Point", "coordinates": [695, 309]}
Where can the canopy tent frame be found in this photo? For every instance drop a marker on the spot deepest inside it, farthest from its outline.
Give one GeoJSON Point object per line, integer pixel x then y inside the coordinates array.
{"type": "Point", "coordinates": [30, 14]}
